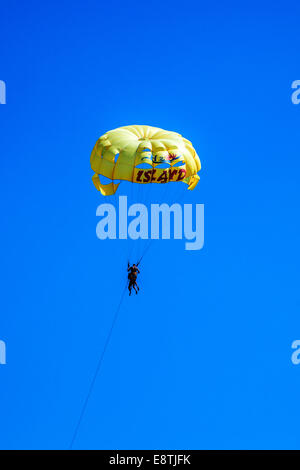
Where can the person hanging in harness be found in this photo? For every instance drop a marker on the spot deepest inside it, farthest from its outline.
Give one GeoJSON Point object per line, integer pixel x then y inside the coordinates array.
{"type": "Point", "coordinates": [133, 271]}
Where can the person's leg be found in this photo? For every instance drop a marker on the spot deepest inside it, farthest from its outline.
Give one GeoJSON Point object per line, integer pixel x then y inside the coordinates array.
{"type": "Point", "coordinates": [130, 287]}
{"type": "Point", "coordinates": [137, 285]}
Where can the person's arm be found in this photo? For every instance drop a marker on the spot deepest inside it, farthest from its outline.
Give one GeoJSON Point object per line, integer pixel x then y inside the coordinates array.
{"type": "Point", "coordinates": [138, 270]}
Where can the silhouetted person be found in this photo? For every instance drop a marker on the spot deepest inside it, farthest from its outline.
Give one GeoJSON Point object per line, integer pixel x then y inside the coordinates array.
{"type": "Point", "coordinates": [132, 277]}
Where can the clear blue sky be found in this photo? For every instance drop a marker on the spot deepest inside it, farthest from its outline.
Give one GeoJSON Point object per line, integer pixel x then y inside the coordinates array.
{"type": "Point", "coordinates": [201, 358]}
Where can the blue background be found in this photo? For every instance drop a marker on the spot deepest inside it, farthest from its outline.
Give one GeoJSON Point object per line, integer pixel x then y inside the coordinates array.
{"type": "Point", "coordinates": [201, 359]}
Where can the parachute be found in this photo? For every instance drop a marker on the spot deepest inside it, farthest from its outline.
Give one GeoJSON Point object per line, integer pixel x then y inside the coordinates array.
{"type": "Point", "coordinates": [143, 155]}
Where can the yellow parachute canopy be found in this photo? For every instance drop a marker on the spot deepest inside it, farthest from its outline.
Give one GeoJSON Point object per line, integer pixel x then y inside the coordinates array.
{"type": "Point", "coordinates": [143, 154]}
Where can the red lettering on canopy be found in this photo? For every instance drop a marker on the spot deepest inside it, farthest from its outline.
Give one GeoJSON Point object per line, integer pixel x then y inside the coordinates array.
{"type": "Point", "coordinates": [152, 177]}
{"type": "Point", "coordinates": [139, 175]}
{"type": "Point", "coordinates": [172, 173]}
{"type": "Point", "coordinates": [181, 175]}
{"type": "Point", "coordinates": [163, 178]}
{"type": "Point", "coordinates": [147, 176]}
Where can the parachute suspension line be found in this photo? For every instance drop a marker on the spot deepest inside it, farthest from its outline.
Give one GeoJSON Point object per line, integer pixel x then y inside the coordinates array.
{"type": "Point", "coordinates": [145, 251]}
{"type": "Point", "coordinates": [148, 245]}
{"type": "Point", "coordinates": [143, 199]}
{"type": "Point", "coordinates": [143, 193]}
{"type": "Point", "coordinates": [84, 407]}
{"type": "Point", "coordinates": [138, 196]}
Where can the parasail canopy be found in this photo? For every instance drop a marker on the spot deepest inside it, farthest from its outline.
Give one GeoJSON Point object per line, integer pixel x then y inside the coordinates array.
{"type": "Point", "coordinates": [143, 155]}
